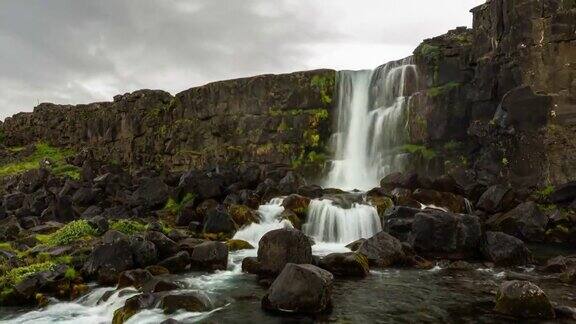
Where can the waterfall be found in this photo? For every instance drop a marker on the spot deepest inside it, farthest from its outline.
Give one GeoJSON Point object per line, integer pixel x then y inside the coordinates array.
{"type": "Point", "coordinates": [327, 222]}
{"type": "Point", "coordinates": [372, 122]}
{"type": "Point", "coordinates": [269, 214]}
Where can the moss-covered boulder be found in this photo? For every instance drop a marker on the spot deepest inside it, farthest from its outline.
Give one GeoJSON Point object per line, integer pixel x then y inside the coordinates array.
{"type": "Point", "coordinates": [523, 299]}
{"type": "Point", "coordinates": [298, 204]}
{"type": "Point", "coordinates": [235, 245]}
{"type": "Point", "coordinates": [349, 264]}
{"type": "Point", "coordinates": [243, 215]}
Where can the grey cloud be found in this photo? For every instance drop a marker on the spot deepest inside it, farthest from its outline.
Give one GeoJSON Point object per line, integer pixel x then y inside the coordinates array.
{"type": "Point", "coordinates": [73, 51]}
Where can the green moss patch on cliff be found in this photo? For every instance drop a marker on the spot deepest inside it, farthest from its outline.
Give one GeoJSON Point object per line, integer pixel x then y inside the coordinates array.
{"type": "Point", "coordinates": [70, 233]}
{"type": "Point", "coordinates": [325, 84]}
{"type": "Point", "coordinates": [56, 156]}
{"type": "Point", "coordinates": [442, 90]}
{"type": "Point", "coordinates": [425, 152]}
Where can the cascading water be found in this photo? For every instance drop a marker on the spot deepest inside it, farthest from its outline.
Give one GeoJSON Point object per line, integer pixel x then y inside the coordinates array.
{"type": "Point", "coordinates": [330, 223]}
{"type": "Point", "coordinates": [270, 220]}
{"type": "Point", "coordinates": [372, 123]}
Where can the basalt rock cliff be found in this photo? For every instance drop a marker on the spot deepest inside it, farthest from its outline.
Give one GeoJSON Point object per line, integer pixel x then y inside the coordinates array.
{"type": "Point", "coordinates": [498, 99]}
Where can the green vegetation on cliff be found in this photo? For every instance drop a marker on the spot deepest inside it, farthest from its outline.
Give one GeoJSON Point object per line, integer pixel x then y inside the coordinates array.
{"type": "Point", "coordinates": [70, 233]}
{"type": "Point", "coordinates": [426, 153]}
{"type": "Point", "coordinates": [325, 84]}
{"type": "Point", "coordinates": [42, 151]}
{"type": "Point", "coordinates": [441, 90]}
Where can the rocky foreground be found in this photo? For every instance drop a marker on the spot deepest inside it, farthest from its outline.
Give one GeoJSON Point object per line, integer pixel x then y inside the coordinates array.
{"type": "Point", "coordinates": [103, 224]}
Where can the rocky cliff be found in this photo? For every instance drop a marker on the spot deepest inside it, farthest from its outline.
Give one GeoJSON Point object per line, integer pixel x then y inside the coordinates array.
{"type": "Point", "coordinates": [268, 119]}
{"type": "Point", "coordinates": [501, 97]}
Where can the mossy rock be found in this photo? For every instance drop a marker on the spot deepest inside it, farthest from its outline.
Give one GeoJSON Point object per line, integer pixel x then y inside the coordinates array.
{"type": "Point", "coordinates": [523, 299]}
{"type": "Point", "coordinates": [298, 204]}
{"type": "Point", "coordinates": [292, 218]}
{"type": "Point", "coordinates": [243, 215]}
{"type": "Point", "coordinates": [382, 203]}
{"type": "Point", "coordinates": [236, 245]}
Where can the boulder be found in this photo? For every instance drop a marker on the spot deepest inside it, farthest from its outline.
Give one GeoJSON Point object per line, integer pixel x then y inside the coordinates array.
{"type": "Point", "coordinates": [526, 222]}
{"type": "Point", "coordinates": [349, 264]}
{"type": "Point", "coordinates": [565, 193]}
{"type": "Point", "coordinates": [134, 305]}
{"type": "Point", "coordinates": [108, 260]}
{"type": "Point", "coordinates": [134, 278]}
{"type": "Point", "coordinates": [382, 250]}
{"type": "Point", "coordinates": [282, 246]}
{"type": "Point", "coordinates": [219, 221]}
{"type": "Point", "coordinates": [165, 246]}
{"type": "Point", "coordinates": [251, 265]}
{"type": "Point", "coordinates": [439, 234]}
{"type": "Point", "coordinates": [400, 180]}
{"type": "Point", "coordinates": [298, 204]}
{"type": "Point", "coordinates": [354, 246]}
{"type": "Point", "coordinates": [381, 202]}
{"type": "Point", "coordinates": [13, 201]}
{"type": "Point", "coordinates": [243, 215]}
{"type": "Point", "coordinates": [450, 201]}
{"type": "Point", "coordinates": [210, 256]}
{"type": "Point", "coordinates": [145, 252]}
{"type": "Point", "coordinates": [495, 199]}
{"type": "Point", "coordinates": [9, 229]}
{"type": "Point", "coordinates": [558, 264]}
{"type": "Point", "coordinates": [191, 301]}
{"type": "Point", "coordinates": [188, 244]}
{"type": "Point", "coordinates": [235, 245]}
{"type": "Point", "coordinates": [403, 197]}
{"type": "Point", "coordinates": [176, 263]}
{"type": "Point", "coordinates": [523, 299]}
{"type": "Point", "coordinates": [151, 193]}
{"type": "Point", "coordinates": [300, 288]}
{"type": "Point", "coordinates": [505, 250]}
{"type": "Point", "coordinates": [397, 221]}
{"type": "Point", "coordinates": [156, 285]}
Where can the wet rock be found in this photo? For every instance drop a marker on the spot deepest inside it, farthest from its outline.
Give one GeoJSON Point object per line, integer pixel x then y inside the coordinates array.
{"type": "Point", "coordinates": [235, 245]}
{"type": "Point", "coordinates": [354, 246]}
{"type": "Point", "coordinates": [243, 215]}
{"type": "Point", "coordinates": [291, 216]}
{"type": "Point", "coordinates": [440, 234]}
{"type": "Point", "coordinates": [558, 264]}
{"type": "Point", "coordinates": [219, 221]}
{"type": "Point", "coordinates": [188, 301]}
{"type": "Point", "coordinates": [397, 221]}
{"type": "Point", "coordinates": [382, 203]}
{"type": "Point", "coordinates": [210, 256]}
{"type": "Point", "coordinates": [495, 199]}
{"type": "Point", "coordinates": [165, 246]}
{"type": "Point", "coordinates": [251, 265]}
{"type": "Point", "coordinates": [156, 285]}
{"type": "Point", "coordinates": [450, 201]}
{"type": "Point", "coordinates": [460, 266]}
{"type": "Point", "coordinates": [298, 204]}
{"type": "Point", "coordinates": [565, 312]}
{"type": "Point", "coordinates": [525, 222]}
{"type": "Point", "coordinates": [290, 183]}
{"type": "Point", "coordinates": [108, 260]}
{"type": "Point", "coordinates": [135, 278]}
{"type": "Point", "coordinates": [176, 263]}
{"type": "Point", "coordinates": [171, 321]}
{"type": "Point", "coordinates": [134, 305]}
{"type": "Point", "coordinates": [403, 197]}
{"type": "Point", "coordinates": [345, 264]}
{"type": "Point", "coordinates": [400, 180]}
{"type": "Point", "coordinates": [523, 299]}
{"type": "Point", "coordinates": [505, 250]}
{"type": "Point", "coordinates": [157, 270]}
{"type": "Point", "coordinates": [282, 246]}
{"type": "Point", "coordinates": [188, 244]}
{"type": "Point", "coordinates": [382, 250]}
{"type": "Point", "coordinates": [568, 276]}
{"type": "Point", "coordinates": [300, 288]}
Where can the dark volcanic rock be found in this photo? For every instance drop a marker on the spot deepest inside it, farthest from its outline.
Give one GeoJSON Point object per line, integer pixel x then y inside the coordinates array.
{"type": "Point", "coordinates": [282, 246]}
{"type": "Point", "coordinates": [345, 264]}
{"type": "Point", "coordinates": [135, 278]}
{"type": "Point", "coordinates": [300, 288]}
{"type": "Point", "coordinates": [565, 193]}
{"type": "Point", "coordinates": [523, 299]}
{"type": "Point", "coordinates": [108, 260]}
{"type": "Point", "coordinates": [165, 246]}
{"type": "Point", "coordinates": [525, 222]}
{"type": "Point", "coordinates": [176, 263]}
{"type": "Point", "coordinates": [397, 221]}
{"type": "Point", "coordinates": [445, 235]}
{"type": "Point", "coordinates": [219, 221]}
{"type": "Point", "coordinates": [382, 250]}
{"type": "Point", "coordinates": [195, 301]}
{"type": "Point", "coordinates": [495, 199]}
{"type": "Point", "coordinates": [151, 193]}
{"type": "Point", "coordinates": [210, 256]}
{"type": "Point", "coordinates": [505, 250]}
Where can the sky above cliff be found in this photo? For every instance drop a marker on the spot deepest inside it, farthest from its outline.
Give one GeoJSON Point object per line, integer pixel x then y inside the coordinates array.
{"type": "Point", "coordinates": [73, 51]}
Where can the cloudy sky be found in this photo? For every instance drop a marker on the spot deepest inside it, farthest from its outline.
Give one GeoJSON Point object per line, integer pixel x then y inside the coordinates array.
{"type": "Point", "coordinates": [78, 51]}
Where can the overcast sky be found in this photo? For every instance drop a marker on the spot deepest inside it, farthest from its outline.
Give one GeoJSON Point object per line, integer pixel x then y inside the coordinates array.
{"type": "Point", "coordinates": [79, 51]}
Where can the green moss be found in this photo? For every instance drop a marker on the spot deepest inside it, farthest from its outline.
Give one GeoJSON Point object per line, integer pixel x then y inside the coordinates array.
{"type": "Point", "coordinates": [175, 207]}
{"type": "Point", "coordinates": [568, 4]}
{"type": "Point", "coordinates": [235, 245]}
{"type": "Point", "coordinates": [545, 192]}
{"type": "Point", "coordinates": [282, 127]}
{"type": "Point", "coordinates": [70, 274]}
{"type": "Point", "coordinates": [311, 138]}
{"type": "Point", "coordinates": [70, 233]}
{"type": "Point", "coordinates": [441, 90]}
{"type": "Point", "coordinates": [6, 246]}
{"type": "Point", "coordinates": [429, 52]}
{"type": "Point", "coordinates": [452, 146]}
{"type": "Point", "coordinates": [43, 151]}
{"type": "Point", "coordinates": [127, 226]}
{"type": "Point", "coordinates": [16, 275]}
{"type": "Point", "coordinates": [426, 153]}
{"type": "Point", "coordinates": [325, 84]}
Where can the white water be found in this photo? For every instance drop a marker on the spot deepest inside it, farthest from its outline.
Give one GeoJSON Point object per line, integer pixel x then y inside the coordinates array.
{"type": "Point", "coordinates": [372, 123]}
{"type": "Point", "coordinates": [269, 221]}
{"type": "Point", "coordinates": [327, 222]}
